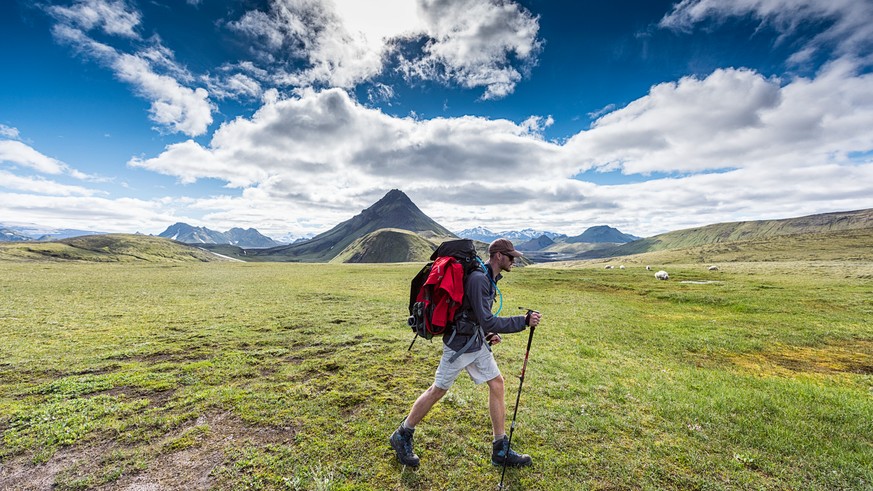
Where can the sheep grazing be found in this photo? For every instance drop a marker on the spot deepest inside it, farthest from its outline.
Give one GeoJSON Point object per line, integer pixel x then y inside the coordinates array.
{"type": "Point", "coordinates": [662, 275]}
{"type": "Point", "coordinates": [648, 268]}
{"type": "Point", "coordinates": [713, 268]}
{"type": "Point", "coordinates": [608, 266]}
{"type": "Point", "coordinates": [621, 267]}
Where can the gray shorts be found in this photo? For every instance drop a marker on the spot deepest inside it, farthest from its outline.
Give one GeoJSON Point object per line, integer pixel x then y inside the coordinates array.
{"type": "Point", "coordinates": [480, 365]}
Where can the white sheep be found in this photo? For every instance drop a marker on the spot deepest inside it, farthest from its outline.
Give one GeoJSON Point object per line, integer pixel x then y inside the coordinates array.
{"type": "Point", "coordinates": [648, 268]}
{"type": "Point", "coordinates": [713, 268]}
{"type": "Point", "coordinates": [608, 266]}
{"type": "Point", "coordinates": [621, 267]}
{"type": "Point", "coordinates": [662, 275]}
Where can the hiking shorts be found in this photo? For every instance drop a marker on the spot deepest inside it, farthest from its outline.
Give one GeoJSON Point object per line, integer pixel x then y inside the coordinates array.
{"type": "Point", "coordinates": [480, 365]}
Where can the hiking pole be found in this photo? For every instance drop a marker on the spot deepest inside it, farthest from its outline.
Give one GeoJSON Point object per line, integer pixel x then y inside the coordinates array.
{"type": "Point", "coordinates": [517, 397]}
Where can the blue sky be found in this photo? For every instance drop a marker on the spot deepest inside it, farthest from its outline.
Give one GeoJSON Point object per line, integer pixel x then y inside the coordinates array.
{"type": "Point", "coordinates": [292, 115]}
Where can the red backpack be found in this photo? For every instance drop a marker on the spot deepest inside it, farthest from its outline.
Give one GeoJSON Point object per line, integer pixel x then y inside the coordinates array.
{"type": "Point", "coordinates": [436, 293]}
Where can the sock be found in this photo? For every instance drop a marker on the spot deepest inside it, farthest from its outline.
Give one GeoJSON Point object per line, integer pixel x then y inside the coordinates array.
{"type": "Point", "coordinates": [499, 438]}
{"type": "Point", "coordinates": [406, 426]}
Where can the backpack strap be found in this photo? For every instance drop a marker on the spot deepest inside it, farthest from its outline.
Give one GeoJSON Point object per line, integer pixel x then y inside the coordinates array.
{"type": "Point", "coordinates": [469, 344]}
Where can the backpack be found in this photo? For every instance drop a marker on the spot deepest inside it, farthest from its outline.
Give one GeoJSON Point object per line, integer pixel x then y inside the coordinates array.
{"type": "Point", "coordinates": [436, 293]}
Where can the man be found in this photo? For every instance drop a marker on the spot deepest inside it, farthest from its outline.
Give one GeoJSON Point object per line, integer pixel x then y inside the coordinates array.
{"type": "Point", "coordinates": [476, 359]}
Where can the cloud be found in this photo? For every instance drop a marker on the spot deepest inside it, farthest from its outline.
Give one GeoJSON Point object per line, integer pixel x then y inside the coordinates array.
{"type": "Point", "coordinates": [92, 213]}
{"type": "Point", "coordinates": [729, 146]}
{"type": "Point", "coordinates": [297, 32]}
{"type": "Point", "coordinates": [16, 152]}
{"type": "Point", "coordinates": [849, 31]}
{"type": "Point", "coordinates": [9, 132]}
{"type": "Point", "coordinates": [734, 119]}
{"type": "Point", "coordinates": [320, 143]}
{"type": "Point", "coordinates": [474, 43]}
{"type": "Point", "coordinates": [174, 106]}
{"type": "Point", "coordinates": [40, 185]}
{"type": "Point", "coordinates": [234, 86]}
{"type": "Point", "coordinates": [112, 17]}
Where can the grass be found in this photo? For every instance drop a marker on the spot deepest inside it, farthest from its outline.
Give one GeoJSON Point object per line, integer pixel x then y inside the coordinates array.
{"type": "Point", "coordinates": [291, 376]}
{"type": "Point", "coordinates": [105, 248]}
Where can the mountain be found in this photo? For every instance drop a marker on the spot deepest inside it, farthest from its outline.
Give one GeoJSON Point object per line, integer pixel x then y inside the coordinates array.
{"type": "Point", "coordinates": [516, 236]}
{"type": "Point", "coordinates": [743, 231]}
{"type": "Point", "coordinates": [11, 235]}
{"type": "Point", "coordinates": [291, 238]}
{"type": "Point", "coordinates": [14, 232]}
{"type": "Point", "coordinates": [387, 245]}
{"type": "Point", "coordinates": [537, 244]}
{"type": "Point", "coordinates": [478, 233]}
{"type": "Point", "coordinates": [600, 234]}
{"type": "Point", "coordinates": [395, 210]}
{"type": "Point", "coordinates": [111, 248]}
{"type": "Point", "coordinates": [182, 232]}
{"type": "Point", "coordinates": [249, 238]}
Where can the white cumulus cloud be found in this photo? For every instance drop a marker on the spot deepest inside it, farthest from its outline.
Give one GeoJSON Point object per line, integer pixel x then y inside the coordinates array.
{"type": "Point", "coordinates": [9, 132]}
{"type": "Point", "coordinates": [474, 43]}
{"type": "Point", "coordinates": [719, 148]}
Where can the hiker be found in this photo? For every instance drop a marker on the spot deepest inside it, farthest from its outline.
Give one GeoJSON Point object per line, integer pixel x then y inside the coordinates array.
{"type": "Point", "coordinates": [477, 359]}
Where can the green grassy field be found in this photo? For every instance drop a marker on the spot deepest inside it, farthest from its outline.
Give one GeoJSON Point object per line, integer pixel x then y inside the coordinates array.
{"type": "Point", "coordinates": [291, 376]}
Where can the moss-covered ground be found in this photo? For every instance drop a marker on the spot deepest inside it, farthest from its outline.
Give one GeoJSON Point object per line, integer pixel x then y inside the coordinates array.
{"type": "Point", "coordinates": [292, 376]}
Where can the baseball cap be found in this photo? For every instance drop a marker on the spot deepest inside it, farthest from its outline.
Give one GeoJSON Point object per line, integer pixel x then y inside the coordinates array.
{"type": "Point", "coordinates": [503, 246]}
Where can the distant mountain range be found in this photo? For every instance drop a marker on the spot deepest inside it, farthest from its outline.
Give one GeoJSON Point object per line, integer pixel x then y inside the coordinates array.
{"type": "Point", "coordinates": [516, 236]}
{"type": "Point", "coordinates": [394, 229]}
{"type": "Point", "coordinates": [593, 235]}
{"type": "Point", "coordinates": [245, 238]}
{"type": "Point", "coordinates": [22, 232]}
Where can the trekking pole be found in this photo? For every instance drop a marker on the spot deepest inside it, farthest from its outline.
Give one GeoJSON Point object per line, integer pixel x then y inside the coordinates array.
{"type": "Point", "coordinates": [517, 397]}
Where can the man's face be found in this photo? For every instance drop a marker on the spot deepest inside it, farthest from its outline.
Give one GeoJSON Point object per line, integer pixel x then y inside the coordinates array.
{"type": "Point", "coordinates": [506, 262]}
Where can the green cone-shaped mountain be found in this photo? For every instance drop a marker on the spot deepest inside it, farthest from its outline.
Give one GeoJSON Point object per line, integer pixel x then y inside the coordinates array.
{"type": "Point", "coordinates": [394, 210]}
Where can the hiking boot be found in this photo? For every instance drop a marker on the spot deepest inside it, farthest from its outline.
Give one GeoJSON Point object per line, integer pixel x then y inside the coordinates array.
{"type": "Point", "coordinates": [401, 442]}
{"type": "Point", "coordinates": [513, 459]}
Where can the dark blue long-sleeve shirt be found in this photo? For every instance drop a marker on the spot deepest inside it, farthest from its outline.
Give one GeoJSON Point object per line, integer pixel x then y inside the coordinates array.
{"type": "Point", "coordinates": [479, 293]}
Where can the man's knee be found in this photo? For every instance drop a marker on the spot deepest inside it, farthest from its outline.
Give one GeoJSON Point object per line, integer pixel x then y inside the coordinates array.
{"type": "Point", "coordinates": [496, 384]}
{"type": "Point", "coordinates": [435, 393]}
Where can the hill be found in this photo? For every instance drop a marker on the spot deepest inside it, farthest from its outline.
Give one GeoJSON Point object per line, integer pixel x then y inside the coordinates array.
{"type": "Point", "coordinates": [537, 244]}
{"type": "Point", "coordinates": [851, 246]}
{"type": "Point", "coordinates": [602, 234]}
{"type": "Point", "coordinates": [106, 248]}
{"type": "Point", "coordinates": [394, 211]}
{"type": "Point", "coordinates": [740, 231]}
{"type": "Point", "coordinates": [251, 238]}
{"type": "Point", "coordinates": [387, 245]}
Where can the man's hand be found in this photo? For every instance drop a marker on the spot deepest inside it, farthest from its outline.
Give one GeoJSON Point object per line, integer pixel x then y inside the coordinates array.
{"type": "Point", "coordinates": [534, 319]}
{"type": "Point", "coordinates": [492, 338]}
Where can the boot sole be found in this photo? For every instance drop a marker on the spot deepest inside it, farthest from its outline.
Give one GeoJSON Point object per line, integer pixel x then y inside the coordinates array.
{"type": "Point", "coordinates": [515, 466]}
